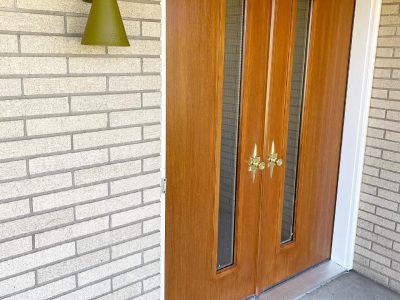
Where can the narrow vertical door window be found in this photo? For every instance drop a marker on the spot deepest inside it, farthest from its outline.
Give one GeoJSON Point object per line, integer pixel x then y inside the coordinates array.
{"type": "Point", "coordinates": [230, 131]}
{"type": "Point", "coordinates": [295, 117]}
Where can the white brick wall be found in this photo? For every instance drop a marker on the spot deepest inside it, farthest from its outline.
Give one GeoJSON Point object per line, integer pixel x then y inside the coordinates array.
{"type": "Point", "coordinates": [377, 252]}
{"type": "Point", "coordinates": [79, 154]}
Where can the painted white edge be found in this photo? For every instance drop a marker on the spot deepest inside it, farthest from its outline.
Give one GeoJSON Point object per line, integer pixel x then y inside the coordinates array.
{"type": "Point", "coordinates": [163, 138]}
{"type": "Point", "coordinates": [362, 61]}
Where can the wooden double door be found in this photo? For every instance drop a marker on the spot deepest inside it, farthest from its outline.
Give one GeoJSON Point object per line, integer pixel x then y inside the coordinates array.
{"type": "Point", "coordinates": [255, 103]}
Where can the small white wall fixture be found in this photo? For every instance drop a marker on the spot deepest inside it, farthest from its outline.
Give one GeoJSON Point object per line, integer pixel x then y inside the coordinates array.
{"type": "Point", "coordinates": [362, 61]}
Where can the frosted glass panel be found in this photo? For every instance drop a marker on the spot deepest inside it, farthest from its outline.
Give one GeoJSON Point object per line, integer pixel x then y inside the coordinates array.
{"type": "Point", "coordinates": [230, 132]}
{"type": "Point", "coordinates": [295, 114]}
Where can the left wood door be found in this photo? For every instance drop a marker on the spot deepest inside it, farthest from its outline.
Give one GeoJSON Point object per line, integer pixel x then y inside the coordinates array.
{"type": "Point", "coordinates": [196, 75]}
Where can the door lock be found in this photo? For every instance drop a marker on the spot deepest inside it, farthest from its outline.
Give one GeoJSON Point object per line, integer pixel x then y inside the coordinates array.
{"type": "Point", "coordinates": [273, 160]}
{"type": "Point", "coordinates": [255, 163]}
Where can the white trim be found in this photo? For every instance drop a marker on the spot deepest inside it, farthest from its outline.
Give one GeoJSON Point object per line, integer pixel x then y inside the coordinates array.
{"type": "Point", "coordinates": [362, 61]}
{"type": "Point", "coordinates": [163, 138]}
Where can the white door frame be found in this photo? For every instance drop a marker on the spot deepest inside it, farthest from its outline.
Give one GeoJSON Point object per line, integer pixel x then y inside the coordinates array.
{"type": "Point", "coordinates": [362, 61]}
{"type": "Point", "coordinates": [359, 89]}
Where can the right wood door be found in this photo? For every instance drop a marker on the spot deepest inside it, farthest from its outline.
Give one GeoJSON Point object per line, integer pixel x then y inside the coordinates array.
{"type": "Point", "coordinates": [308, 69]}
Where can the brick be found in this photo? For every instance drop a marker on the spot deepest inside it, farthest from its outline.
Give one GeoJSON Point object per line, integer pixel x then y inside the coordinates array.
{"type": "Point", "coordinates": [33, 107]}
{"type": "Point", "coordinates": [152, 225]}
{"type": "Point", "coordinates": [359, 259]}
{"type": "Point", "coordinates": [135, 275]}
{"type": "Point", "coordinates": [153, 295]}
{"type": "Point", "coordinates": [7, 3]}
{"type": "Point", "coordinates": [386, 63]}
{"type": "Point", "coordinates": [107, 172]}
{"type": "Point", "coordinates": [390, 9]}
{"type": "Point", "coordinates": [390, 176]}
{"type": "Point", "coordinates": [32, 65]}
{"type": "Point", "coordinates": [377, 93]}
{"type": "Point", "coordinates": [47, 291]}
{"type": "Point", "coordinates": [72, 265]}
{"type": "Point", "coordinates": [35, 44]}
{"type": "Point", "coordinates": [104, 65]}
{"type": "Point", "coordinates": [151, 195]}
{"type": "Point", "coordinates": [136, 214]}
{"type": "Point", "coordinates": [152, 29]}
{"type": "Point", "coordinates": [16, 284]}
{"type": "Point", "coordinates": [376, 219]}
{"type": "Point", "coordinates": [124, 293]}
{"type": "Point", "coordinates": [15, 247]}
{"type": "Point", "coordinates": [382, 279]}
{"type": "Point", "coordinates": [66, 124]}
{"type": "Point", "coordinates": [89, 292]}
{"type": "Point", "coordinates": [392, 255]}
{"type": "Point", "coordinates": [78, 24]}
{"type": "Point", "coordinates": [34, 185]}
{"type": "Point", "coordinates": [390, 196]}
{"type": "Point", "coordinates": [383, 124]}
{"type": "Point", "coordinates": [72, 6]}
{"type": "Point", "coordinates": [136, 245]}
{"type": "Point", "coordinates": [151, 164]}
{"type": "Point", "coordinates": [381, 183]}
{"type": "Point", "coordinates": [12, 170]}
{"type": "Point", "coordinates": [390, 234]}
{"type": "Point", "coordinates": [70, 232]}
{"type": "Point", "coordinates": [394, 95]}
{"type": "Point", "coordinates": [138, 47]}
{"type": "Point", "coordinates": [151, 99]}
{"type": "Point", "coordinates": [34, 260]}
{"type": "Point", "coordinates": [108, 238]}
{"type": "Point", "coordinates": [367, 207]}
{"type": "Point", "coordinates": [108, 206]}
{"type": "Point", "coordinates": [35, 223]}
{"type": "Point", "coordinates": [11, 129]}
{"type": "Point", "coordinates": [385, 270]}
{"type": "Point", "coordinates": [393, 136]}
{"type": "Point", "coordinates": [379, 201]}
{"type": "Point", "coordinates": [151, 283]}
{"type": "Point", "coordinates": [384, 52]}
{"type": "Point", "coordinates": [69, 197]}
{"type": "Point", "coordinates": [372, 255]}
{"type": "Point", "coordinates": [373, 152]}
{"type": "Point", "coordinates": [104, 138]}
{"type": "Point", "coordinates": [366, 188]}
{"type": "Point", "coordinates": [109, 269]}
{"type": "Point", "coordinates": [151, 255]}
{"type": "Point", "coordinates": [135, 183]}
{"type": "Point", "coordinates": [135, 83]}
{"type": "Point", "coordinates": [387, 31]}
{"type": "Point", "coordinates": [371, 171]}
{"type": "Point", "coordinates": [8, 43]}
{"type": "Point", "coordinates": [382, 73]}
{"type": "Point", "coordinates": [10, 87]}
{"type": "Point", "coordinates": [105, 102]}
{"type": "Point", "coordinates": [135, 150]}
{"type": "Point", "coordinates": [393, 115]}
{"type": "Point", "coordinates": [140, 10]}
{"type": "Point", "coordinates": [152, 132]}
{"type": "Point", "coordinates": [390, 20]}
{"type": "Point", "coordinates": [18, 21]}
{"type": "Point", "coordinates": [67, 161]}
{"type": "Point", "coordinates": [376, 238]}
{"type": "Point", "coordinates": [152, 65]}
{"type": "Point", "coordinates": [135, 117]}
{"type": "Point", "coordinates": [64, 85]}
{"type": "Point", "coordinates": [14, 209]}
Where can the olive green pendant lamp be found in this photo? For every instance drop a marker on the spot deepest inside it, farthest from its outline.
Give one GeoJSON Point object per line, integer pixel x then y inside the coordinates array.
{"type": "Point", "coordinates": [105, 26]}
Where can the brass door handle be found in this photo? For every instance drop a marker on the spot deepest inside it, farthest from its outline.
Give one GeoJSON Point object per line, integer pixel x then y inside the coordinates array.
{"type": "Point", "coordinates": [273, 160]}
{"type": "Point", "coordinates": [255, 163]}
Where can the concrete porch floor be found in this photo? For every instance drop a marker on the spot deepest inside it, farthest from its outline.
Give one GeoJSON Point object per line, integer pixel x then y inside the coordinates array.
{"type": "Point", "coordinates": [351, 286]}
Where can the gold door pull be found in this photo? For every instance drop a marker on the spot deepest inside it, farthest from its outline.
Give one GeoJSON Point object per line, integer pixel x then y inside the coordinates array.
{"type": "Point", "coordinates": [273, 160]}
{"type": "Point", "coordinates": [255, 163]}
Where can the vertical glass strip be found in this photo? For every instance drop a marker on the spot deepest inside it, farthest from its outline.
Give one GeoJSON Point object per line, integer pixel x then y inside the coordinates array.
{"type": "Point", "coordinates": [230, 131]}
{"type": "Point", "coordinates": [295, 117]}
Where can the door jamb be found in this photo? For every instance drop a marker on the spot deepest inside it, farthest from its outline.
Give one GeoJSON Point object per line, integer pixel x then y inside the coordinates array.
{"type": "Point", "coordinates": [362, 61]}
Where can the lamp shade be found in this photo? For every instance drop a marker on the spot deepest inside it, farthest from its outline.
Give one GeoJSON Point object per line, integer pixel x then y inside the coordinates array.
{"type": "Point", "coordinates": [105, 26]}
